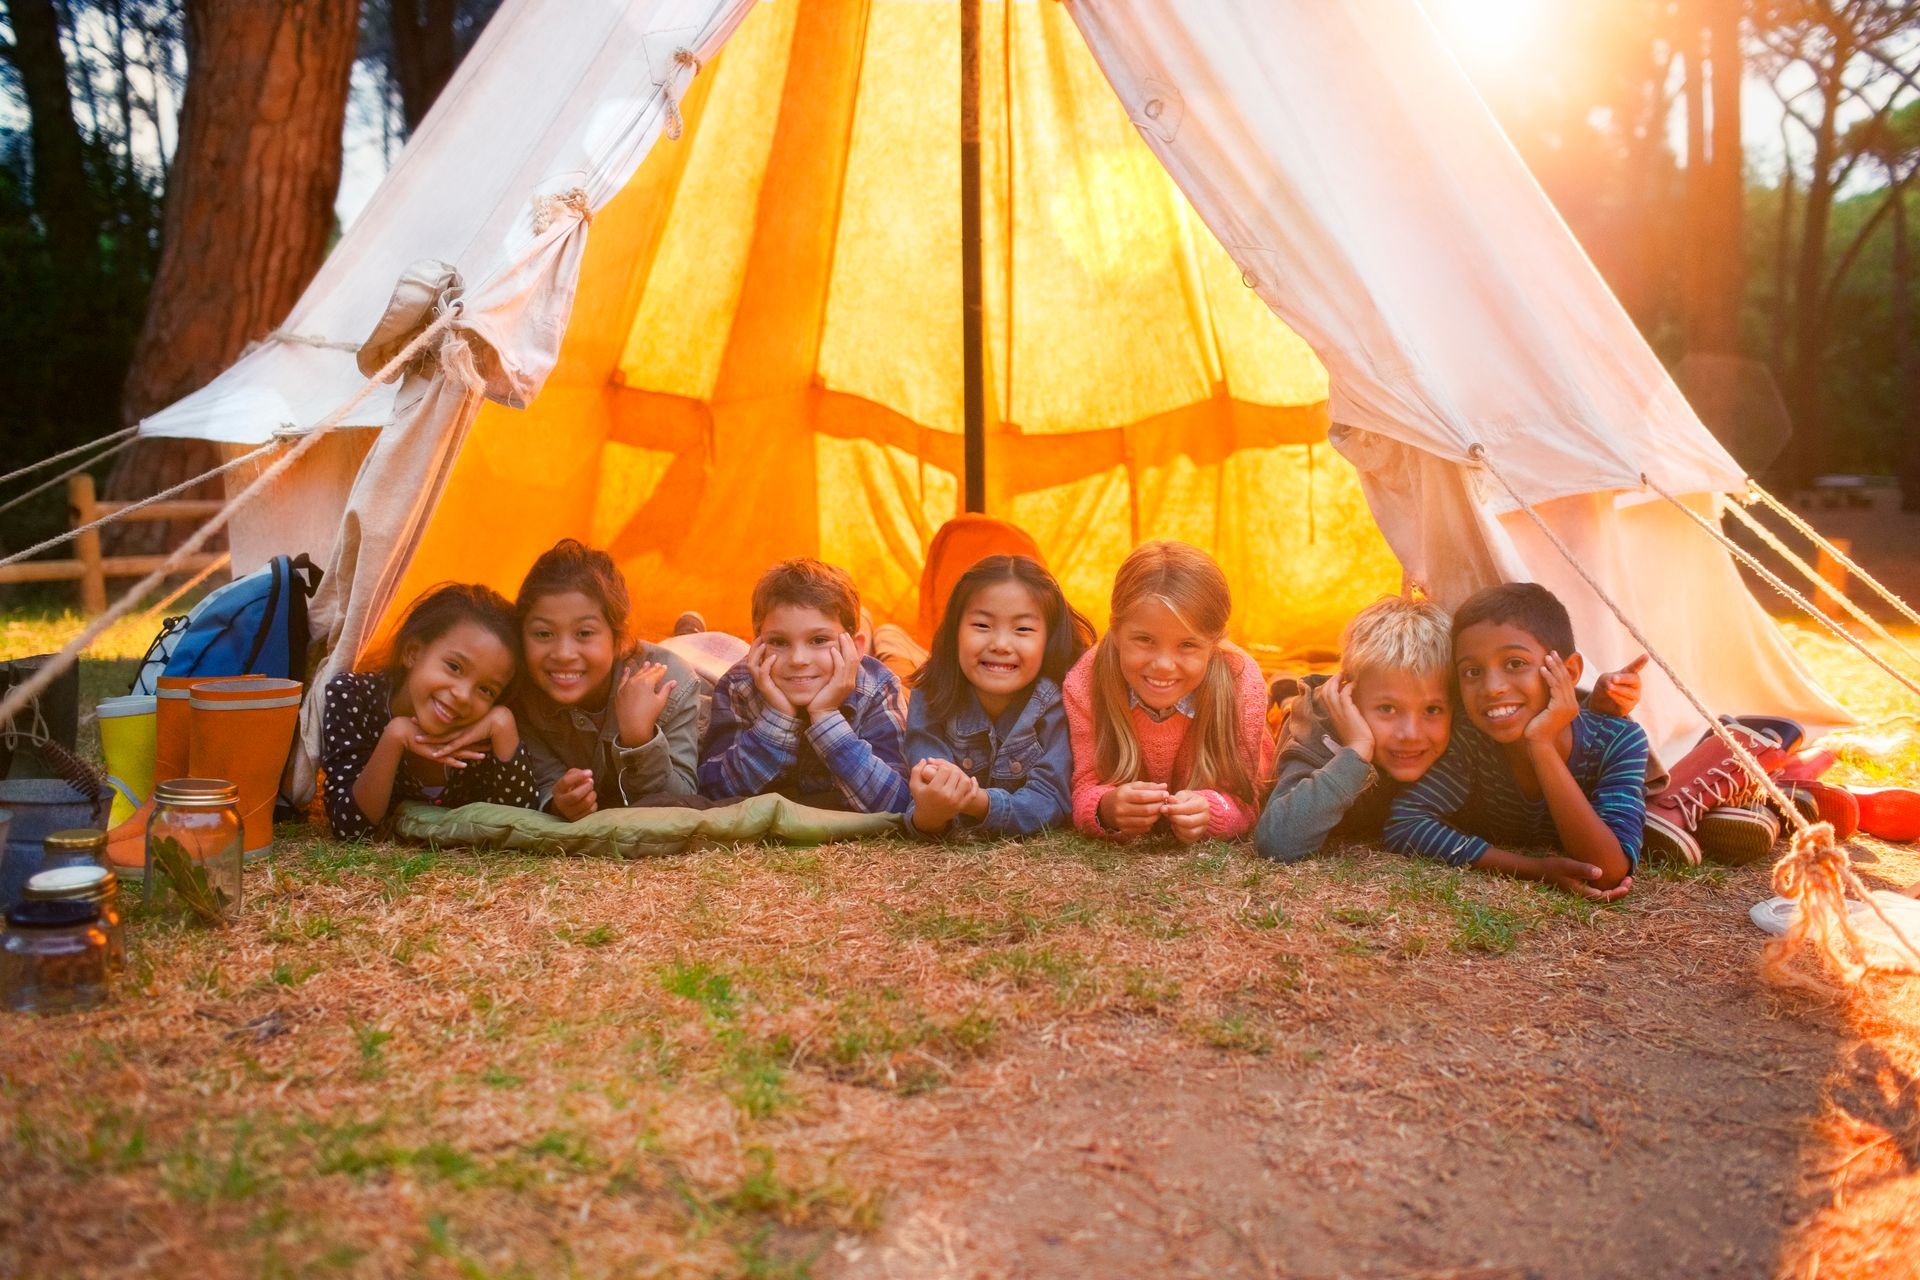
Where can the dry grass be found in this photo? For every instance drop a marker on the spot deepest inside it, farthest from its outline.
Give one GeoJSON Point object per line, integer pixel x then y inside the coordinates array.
{"type": "Point", "coordinates": [772, 1062]}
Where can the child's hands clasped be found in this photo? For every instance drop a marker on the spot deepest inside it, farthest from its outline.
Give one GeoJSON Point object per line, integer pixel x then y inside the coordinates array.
{"type": "Point", "coordinates": [462, 747]}
{"type": "Point", "coordinates": [1348, 724]}
{"type": "Point", "coordinates": [1563, 703]}
{"type": "Point", "coordinates": [1188, 813]}
{"type": "Point", "coordinates": [1133, 807]}
{"type": "Point", "coordinates": [942, 791]}
{"type": "Point", "coordinates": [1576, 877]}
{"type": "Point", "coordinates": [574, 796]}
{"type": "Point", "coordinates": [639, 700]}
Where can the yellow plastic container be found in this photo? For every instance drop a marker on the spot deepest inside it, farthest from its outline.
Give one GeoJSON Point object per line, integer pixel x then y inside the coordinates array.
{"type": "Point", "coordinates": [127, 741]}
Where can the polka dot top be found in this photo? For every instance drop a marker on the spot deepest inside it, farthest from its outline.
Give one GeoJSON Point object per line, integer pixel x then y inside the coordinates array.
{"type": "Point", "coordinates": [357, 711]}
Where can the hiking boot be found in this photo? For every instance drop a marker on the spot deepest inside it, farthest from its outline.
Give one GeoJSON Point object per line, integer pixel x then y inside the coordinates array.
{"type": "Point", "coordinates": [1807, 766]}
{"type": "Point", "coordinates": [1739, 833]}
{"type": "Point", "coordinates": [1823, 802]}
{"type": "Point", "coordinates": [1891, 813]}
{"type": "Point", "coordinates": [1707, 777]}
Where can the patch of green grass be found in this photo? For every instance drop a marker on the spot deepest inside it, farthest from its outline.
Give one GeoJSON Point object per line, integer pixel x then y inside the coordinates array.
{"type": "Point", "coordinates": [1480, 926]}
{"type": "Point", "coordinates": [1358, 917]}
{"type": "Point", "coordinates": [706, 986]}
{"type": "Point", "coordinates": [1149, 987]}
{"type": "Point", "coordinates": [1235, 1031]}
{"type": "Point", "coordinates": [198, 1172]}
{"type": "Point", "coordinates": [899, 1046]}
{"type": "Point", "coordinates": [599, 935]}
{"type": "Point", "coordinates": [1268, 916]}
{"type": "Point", "coordinates": [372, 1043]}
{"type": "Point", "coordinates": [755, 1073]}
{"type": "Point", "coordinates": [288, 974]}
{"type": "Point", "coordinates": [1034, 967]}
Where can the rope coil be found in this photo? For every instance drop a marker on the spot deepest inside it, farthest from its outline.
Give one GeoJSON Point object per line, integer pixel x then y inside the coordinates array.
{"type": "Point", "coordinates": [683, 59]}
{"type": "Point", "coordinates": [1815, 873]}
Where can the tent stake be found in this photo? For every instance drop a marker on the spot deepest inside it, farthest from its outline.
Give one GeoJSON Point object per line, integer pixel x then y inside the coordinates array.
{"type": "Point", "coordinates": [972, 287]}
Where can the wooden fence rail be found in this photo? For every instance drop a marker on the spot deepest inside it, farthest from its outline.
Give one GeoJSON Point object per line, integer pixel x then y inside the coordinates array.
{"type": "Point", "coordinates": [89, 567]}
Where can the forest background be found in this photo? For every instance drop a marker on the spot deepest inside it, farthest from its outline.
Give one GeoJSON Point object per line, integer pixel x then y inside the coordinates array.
{"type": "Point", "coordinates": [1742, 172]}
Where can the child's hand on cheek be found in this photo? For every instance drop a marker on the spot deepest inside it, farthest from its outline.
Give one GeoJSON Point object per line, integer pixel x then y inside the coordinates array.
{"type": "Point", "coordinates": [574, 796]}
{"type": "Point", "coordinates": [838, 686]}
{"type": "Point", "coordinates": [760, 660]}
{"type": "Point", "coordinates": [642, 696]}
{"type": "Point", "coordinates": [1188, 813]}
{"type": "Point", "coordinates": [1563, 703]}
{"type": "Point", "coordinates": [1133, 807]}
{"type": "Point", "coordinates": [1348, 724]}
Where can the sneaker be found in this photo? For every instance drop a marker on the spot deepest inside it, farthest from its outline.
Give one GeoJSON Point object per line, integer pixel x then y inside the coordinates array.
{"type": "Point", "coordinates": [1823, 802]}
{"type": "Point", "coordinates": [689, 623]}
{"type": "Point", "coordinates": [1706, 778]}
{"type": "Point", "coordinates": [1737, 834]}
{"type": "Point", "coordinates": [1807, 766]}
{"type": "Point", "coordinates": [1891, 813]}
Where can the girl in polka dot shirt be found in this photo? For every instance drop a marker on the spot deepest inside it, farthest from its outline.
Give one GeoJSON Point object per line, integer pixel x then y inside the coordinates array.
{"type": "Point", "coordinates": [426, 723]}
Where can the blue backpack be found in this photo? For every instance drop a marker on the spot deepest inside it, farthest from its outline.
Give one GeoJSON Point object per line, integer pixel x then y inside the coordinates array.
{"type": "Point", "coordinates": [256, 625]}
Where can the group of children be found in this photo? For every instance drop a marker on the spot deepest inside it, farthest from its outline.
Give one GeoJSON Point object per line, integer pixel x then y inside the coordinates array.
{"type": "Point", "coordinates": [1462, 739]}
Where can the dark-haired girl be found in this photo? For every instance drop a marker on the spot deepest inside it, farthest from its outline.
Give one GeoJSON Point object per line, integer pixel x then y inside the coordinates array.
{"type": "Point", "coordinates": [607, 725]}
{"type": "Point", "coordinates": [424, 722]}
{"type": "Point", "coordinates": [986, 729]}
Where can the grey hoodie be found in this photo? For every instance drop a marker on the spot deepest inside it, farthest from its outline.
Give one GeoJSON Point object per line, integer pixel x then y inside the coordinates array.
{"type": "Point", "coordinates": [1320, 785]}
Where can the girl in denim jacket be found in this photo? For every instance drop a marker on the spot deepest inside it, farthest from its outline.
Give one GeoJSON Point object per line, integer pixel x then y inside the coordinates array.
{"type": "Point", "coordinates": [987, 741]}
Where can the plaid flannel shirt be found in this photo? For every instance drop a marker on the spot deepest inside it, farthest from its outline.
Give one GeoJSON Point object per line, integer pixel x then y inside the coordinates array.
{"type": "Point", "coordinates": [751, 748]}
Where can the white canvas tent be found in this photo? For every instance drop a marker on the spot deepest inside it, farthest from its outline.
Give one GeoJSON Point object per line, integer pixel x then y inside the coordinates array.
{"type": "Point", "coordinates": [1261, 274]}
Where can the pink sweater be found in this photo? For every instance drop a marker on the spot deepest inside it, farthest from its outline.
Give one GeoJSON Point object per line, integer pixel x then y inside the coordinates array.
{"type": "Point", "coordinates": [1160, 742]}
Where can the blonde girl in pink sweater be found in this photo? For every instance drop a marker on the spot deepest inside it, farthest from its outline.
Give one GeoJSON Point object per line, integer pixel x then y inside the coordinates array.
{"type": "Point", "coordinates": [1168, 719]}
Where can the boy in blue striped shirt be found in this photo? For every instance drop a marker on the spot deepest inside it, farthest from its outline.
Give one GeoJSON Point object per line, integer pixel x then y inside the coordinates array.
{"type": "Point", "coordinates": [807, 713]}
{"type": "Point", "coordinates": [1526, 765]}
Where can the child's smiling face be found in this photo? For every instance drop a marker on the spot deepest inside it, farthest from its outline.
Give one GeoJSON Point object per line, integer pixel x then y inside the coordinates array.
{"type": "Point", "coordinates": [1502, 684]}
{"type": "Point", "coordinates": [1410, 717]}
{"type": "Point", "coordinates": [455, 679]}
{"type": "Point", "coordinates": [803, 641]}
{"type": "Point", "coordinates": [569, 646]}
{"type": "Point", "coordinates": [1002, 642]}
{"type": "Point", "coordinates": [1161, 657]}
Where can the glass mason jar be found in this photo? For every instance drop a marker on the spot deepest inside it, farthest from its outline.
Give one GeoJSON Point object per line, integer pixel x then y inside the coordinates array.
{"type": "Point", "coordinates": [195, 849]}
{"type": "Point", "coordinates": [78, 847]}
{"type": "Point", "coordinates": [53, 958]}
{"type": "Point", "coordinates": [90, 884]}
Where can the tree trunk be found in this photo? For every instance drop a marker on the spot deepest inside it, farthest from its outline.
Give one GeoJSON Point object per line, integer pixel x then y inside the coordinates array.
{"type": "Point", "coordinates": [1804, 452]}
{"type": "Point", "coordinates": [249, 208]}
{"type": "Point", "coordinates": [61, 193]}
{"type": "Point", "coordinates": [424, 53]}
{"type": "Point", "coordinates": [1718, 190]}
{"type": "Point", "coordinates": [1906, 360]}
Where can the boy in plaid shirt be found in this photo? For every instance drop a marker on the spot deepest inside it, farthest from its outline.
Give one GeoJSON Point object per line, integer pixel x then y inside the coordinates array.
{"type": "Point", "coordinates": [807, 713]}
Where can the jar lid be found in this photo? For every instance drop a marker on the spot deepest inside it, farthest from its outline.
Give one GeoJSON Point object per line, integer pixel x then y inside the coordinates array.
{"type": "Point", "coordinates": [76, 840]}
{"type": "Point", "coordinates": [197, 793]}
{"type": "Point", "coordinates": [78, 884]}
{"type": "Point", "coordinates": [65, 914]}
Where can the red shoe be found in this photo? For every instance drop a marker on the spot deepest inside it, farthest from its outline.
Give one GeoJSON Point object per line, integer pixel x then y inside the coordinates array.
{"type": "Point", "coordinates": [1823, 802]}
{"type": "Point", "coordinates": [1807, 766]}
{"type": "Point", "coordinates": [1891, 813]}
{"type": "Point", "coordinates": [1706, 778]}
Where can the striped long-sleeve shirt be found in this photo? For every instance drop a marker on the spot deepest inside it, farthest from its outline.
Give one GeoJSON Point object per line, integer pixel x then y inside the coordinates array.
{"type": "Point", "coordinates": [1470, 800]}
{"type": "Point", "coordinates": [858, 751]}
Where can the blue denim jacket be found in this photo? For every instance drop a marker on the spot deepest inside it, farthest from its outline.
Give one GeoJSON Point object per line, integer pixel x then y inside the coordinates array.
{"type": "Point", "coordinates": [1027, 772]}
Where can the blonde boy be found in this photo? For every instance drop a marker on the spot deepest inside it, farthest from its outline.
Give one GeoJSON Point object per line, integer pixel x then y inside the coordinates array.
{"type": "Point", "coordinates": [1350, 744]}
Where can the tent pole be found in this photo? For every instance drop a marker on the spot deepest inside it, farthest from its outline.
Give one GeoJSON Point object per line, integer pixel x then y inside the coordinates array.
{"type": "Point", "coordinates": [972, 287]}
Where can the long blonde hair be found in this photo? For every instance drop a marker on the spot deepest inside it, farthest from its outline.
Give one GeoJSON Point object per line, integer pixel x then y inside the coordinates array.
{"type": "Point", "coordinates": [1187, 581]}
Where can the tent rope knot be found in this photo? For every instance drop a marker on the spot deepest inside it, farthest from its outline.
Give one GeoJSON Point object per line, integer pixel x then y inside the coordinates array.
{"type": "Point", "coordinates": [683, 59]}
{"type": "Point", "coordinates": [547, 209]}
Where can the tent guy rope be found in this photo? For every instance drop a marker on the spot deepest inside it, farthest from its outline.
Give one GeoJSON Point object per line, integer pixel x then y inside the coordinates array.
{"type": "Point", "coordinates": [1779, 584]}
{"type": "Point", "coordinates": [1820, 540]}
{"type": "Point", "coordinates": [50, 670]}
{"type": "Point", "coordinates": [31, 467]}
{"type": "Point", "coordinates": [121, 446]}
{"type": "Point", "coordinates": [1820, 584]}
{"type": "Point", "coordinates": [1815, 873]}
{"type": "Point", "coordinates": [122, 513]}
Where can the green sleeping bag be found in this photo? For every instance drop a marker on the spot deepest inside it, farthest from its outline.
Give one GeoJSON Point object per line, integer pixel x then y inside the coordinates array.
{"type": "Point", "coordinates": [636, 833]}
